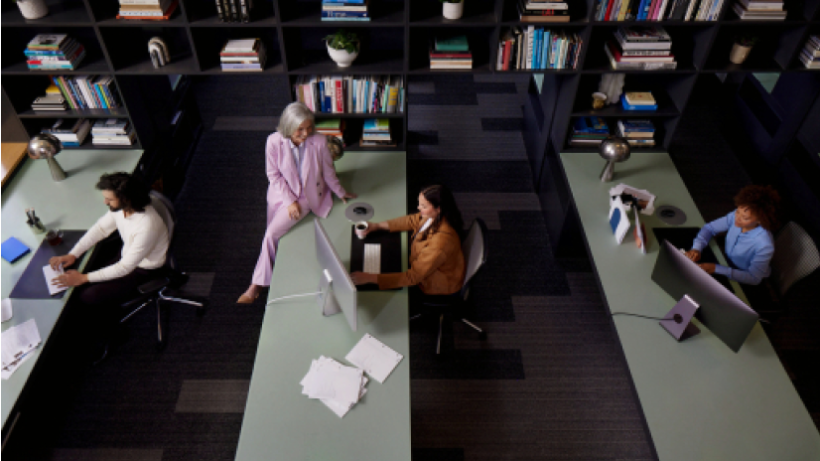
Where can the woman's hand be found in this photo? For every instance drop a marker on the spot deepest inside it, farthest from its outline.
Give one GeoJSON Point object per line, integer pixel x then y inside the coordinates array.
{"type": "Point", "coordinates": [693, 254]}
{"type": "Point", "coordinates": [70, 279]}
{"type": "Point", "coordinates": [363, 278]}
{"type": "Point", "coordinates": [708, 267]}
{"type": "Point", "coordinates": [66, 261]}
{"type": "Point", "coordinates": [349, 195]}
{"type": "Point", "coordinates": [294, 211]}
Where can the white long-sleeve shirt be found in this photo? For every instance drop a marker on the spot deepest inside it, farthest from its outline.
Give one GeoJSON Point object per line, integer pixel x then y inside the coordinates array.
{"type": "Point", "coordinates": [145, 242]}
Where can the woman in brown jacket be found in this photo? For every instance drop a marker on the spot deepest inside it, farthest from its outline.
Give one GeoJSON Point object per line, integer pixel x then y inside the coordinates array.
{"type": "Point", "coordinates": [436, 262]}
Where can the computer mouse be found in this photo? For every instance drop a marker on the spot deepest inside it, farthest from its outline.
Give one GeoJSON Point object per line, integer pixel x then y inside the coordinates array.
{"type": "Point", "coordinates": [360, 210]}
{"type": "Point", "coordinates": [677, 318]}
{"type": "Point", "coordinates": [667, 213]}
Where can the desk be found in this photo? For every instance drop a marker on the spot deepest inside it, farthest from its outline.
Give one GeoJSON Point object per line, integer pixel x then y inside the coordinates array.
{"type": "Point", "coordinates": [73, 203]}
{"type": "Point", "coordinates": [13, 154]}
{"type": "Point", "coordinates": [282, 424]}
{"type": "Point", "coordinates": [701, 400]}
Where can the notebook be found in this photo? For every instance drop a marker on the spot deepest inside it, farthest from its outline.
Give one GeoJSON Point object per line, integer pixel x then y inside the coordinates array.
{"type": "Point", "coordinates": [13, 249]}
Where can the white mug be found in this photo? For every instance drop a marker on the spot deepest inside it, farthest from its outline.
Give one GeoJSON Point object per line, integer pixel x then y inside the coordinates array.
{"type": "Point", "coordinates": [361, 229]}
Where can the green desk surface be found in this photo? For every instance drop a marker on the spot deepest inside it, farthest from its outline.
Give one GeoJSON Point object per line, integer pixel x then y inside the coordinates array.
{"type": "Point", "coordinates": [73, 203]}
{"type": "Point", "coordinates": [282, 424]}
{"type": "Point", "coordinates": [701, 400]}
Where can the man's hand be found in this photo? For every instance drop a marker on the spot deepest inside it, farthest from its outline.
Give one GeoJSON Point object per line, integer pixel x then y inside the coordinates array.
{"type": "Point", "coordinates": [363, 278]}
{"type": "Point", "coordinates": [294, 211]}
{"type": "Point", "coordinates": [70, 279]}
{"type": "Point", "coordinates": [708, 267]}
{"type": "Point", "coordinates": [66, 261]}
{"type": "Point", "coordinates": [349, 195]}
{"type": "Point", "coordinates": [694, 255]}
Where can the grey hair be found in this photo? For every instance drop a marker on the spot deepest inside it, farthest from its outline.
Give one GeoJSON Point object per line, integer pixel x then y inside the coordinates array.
{"type": "Point", "coordinates": [294, 115]}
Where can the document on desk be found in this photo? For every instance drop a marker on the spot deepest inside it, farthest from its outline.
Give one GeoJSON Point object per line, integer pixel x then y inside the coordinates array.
{"type": "Point", "coordinates": [374, 357]}
{"type": "Point", "coordinates": [17, 344]}
{"type": "Point", "coordinates": [50, 273]}
{"type": "Point", "coordinates": [337, 386]}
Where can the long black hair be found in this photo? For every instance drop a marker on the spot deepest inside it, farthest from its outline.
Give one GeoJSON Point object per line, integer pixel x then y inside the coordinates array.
{"type": "Point", "coordinates": [440, 197]}
{"type": "Point", "coordinates": [132, 193]}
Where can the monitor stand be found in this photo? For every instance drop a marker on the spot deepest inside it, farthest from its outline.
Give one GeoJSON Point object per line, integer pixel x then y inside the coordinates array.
{"type": "Point", "coordinates": [678, 321]}
{"type": "Point", "coordinates": [325, 297]}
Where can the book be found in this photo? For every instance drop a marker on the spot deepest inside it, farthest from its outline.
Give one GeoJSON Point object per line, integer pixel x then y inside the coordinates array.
{"type": "Point", "coordinates": [458, 43]}
{"type": "Point", "coordinates": [47, 41]}
{"type": "Point", "coordinates": [150, 17]}
{"type": "Point", "coordinates": [636, 98]}
{"type": "Point", "coordinates": [13, 249]}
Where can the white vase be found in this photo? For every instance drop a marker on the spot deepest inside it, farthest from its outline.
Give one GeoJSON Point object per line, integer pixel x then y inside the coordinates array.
{"type": "Point", "coordinates": [32, 9]}
{"type": "Point", "coordinates": [739, 53]}
{"type": "Point", "coordinates": [341, 57]}
{"type": "Point", "coordinates": [453, 10]}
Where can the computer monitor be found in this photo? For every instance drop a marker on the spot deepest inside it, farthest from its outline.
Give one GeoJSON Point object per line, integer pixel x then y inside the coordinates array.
{"type": "Point", "coordinates": [729, 318]}
{"type": "Point", "coordinates": [337, 290]}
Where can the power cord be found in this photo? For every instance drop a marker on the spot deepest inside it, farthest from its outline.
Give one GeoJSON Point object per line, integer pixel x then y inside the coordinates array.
{"type": "Point", "coordinates": [292, 296]}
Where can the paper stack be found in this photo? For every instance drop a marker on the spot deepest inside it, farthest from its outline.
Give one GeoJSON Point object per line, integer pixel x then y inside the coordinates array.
{"type": "Point", "coordinates": [338, 386]}
{"type": "Point", "coordinates": [112, 132]}
{"type": "Point", "coordinates": [243, 55]}
{"type": "Point", "coordinates": [451, 53]}
{"type": "Point", "coordinates": [17, 344]}
{"type": "Point", "coordinates": [53, 52]}
{"type": "Point", "coordinates": [345, 10]}
{"type": "Point", "coordinates": [376, 133]}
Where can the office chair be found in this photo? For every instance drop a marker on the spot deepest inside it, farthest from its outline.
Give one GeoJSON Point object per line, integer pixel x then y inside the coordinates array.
{"type": "Point", "coordinates": [157, 291]}
{"type": "Point", "coordinates": [475, 253]}
{"type": "Point", "coordinates": [795, 258]}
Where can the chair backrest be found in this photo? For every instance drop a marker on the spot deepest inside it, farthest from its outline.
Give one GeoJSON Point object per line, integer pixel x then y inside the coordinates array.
{"type": "Point", "coordinates": [795, 257]}
{"type": "Point", "coordinates": [475, 252]}
{"type": "Point", "coordinates": [165, 209]}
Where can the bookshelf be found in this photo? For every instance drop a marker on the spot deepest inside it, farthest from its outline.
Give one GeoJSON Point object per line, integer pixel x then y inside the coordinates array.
{"type": "Point", "coordinates": [395, 42]}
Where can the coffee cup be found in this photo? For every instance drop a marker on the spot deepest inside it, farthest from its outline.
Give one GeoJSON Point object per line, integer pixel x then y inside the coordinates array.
{"type": "Point", "coordinates": [598, 100]}
{"type": "Point", "coordinates": [361, 229]}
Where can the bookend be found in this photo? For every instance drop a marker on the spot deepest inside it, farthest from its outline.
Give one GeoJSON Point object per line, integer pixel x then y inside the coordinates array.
{"type": "Point", "coordinates": [678, 321]}
{"type": "Point", "coordinates": [159, 52]}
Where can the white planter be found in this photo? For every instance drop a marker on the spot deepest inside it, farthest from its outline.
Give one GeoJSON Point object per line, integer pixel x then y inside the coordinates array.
{"type": "Point", "coordinates": [453, 10]}
{"type": "Point", "coordinates": [32, 9]}
{"type": "Point", "coordinates": [739, 53]}
{"type": "Point", "coordinates": [341, 57]}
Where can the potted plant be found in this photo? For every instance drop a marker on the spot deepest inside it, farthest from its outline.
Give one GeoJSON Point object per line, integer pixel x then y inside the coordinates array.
{"type": "Point", "coordinates": [32, 9]}
{"type": "Point", "coordinates": [343, 47]}
{"type": "Point", "coordinates": [452, 9]}
{"type": "Point", "coordinates": [741, 48]}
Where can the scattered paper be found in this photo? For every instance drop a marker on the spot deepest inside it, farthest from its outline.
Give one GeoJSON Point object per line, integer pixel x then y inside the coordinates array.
{"type": "Point", "coordinates": [375, 358]}
{"type": "Point", "coordinates": [337, 386]}
{"type": "Point", "coordinates": [17, 343]}
{"type": "Point", "coordinates": [50, 274]}
{"type": "Point", "coordinates": [6, 310]}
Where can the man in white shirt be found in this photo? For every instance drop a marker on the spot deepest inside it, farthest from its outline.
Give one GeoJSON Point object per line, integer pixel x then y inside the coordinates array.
{"type": "Point", "coordinates": [145, 244]}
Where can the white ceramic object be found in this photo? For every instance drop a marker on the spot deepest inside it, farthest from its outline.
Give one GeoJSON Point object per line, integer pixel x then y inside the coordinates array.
{"type": "Point", "coordinates": [453, 10]}
{"type": "Point", "coordinates": [32, 9]}
{"type": "Point", "coordinates": [739, 53]}
{"type": "Point", "coordinates": [341, 57]}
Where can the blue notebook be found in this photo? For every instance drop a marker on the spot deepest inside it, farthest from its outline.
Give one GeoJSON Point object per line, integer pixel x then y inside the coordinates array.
{"type": "Point", "coordinates": [13, 249]}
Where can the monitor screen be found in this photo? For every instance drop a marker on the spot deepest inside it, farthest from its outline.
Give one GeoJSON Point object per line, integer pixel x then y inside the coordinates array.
{"type": "Point", "coordinates": [339, 291]}
{"type": "Point", "coordinates": [729, 318]}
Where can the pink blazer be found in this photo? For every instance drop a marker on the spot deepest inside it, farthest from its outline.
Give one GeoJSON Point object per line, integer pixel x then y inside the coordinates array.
{"type": "Point", "coordinates": [285, 186]}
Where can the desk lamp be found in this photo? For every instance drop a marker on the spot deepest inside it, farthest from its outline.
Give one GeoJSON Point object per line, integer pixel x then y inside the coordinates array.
{"type": "Point", "coordinates": [44, 145]}
{"type": "Point", "coordinates": [613, 149]}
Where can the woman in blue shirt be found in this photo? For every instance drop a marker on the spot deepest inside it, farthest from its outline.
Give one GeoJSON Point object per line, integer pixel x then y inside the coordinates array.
{"type": "Point", "coordinates": [749, 241]}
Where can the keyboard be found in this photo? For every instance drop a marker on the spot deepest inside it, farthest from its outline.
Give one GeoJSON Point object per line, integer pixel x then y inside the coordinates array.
{"type": "Point", "coordinates": [372, 258]}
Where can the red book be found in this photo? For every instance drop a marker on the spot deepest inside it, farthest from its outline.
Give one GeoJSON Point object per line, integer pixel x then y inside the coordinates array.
{"type": "Point", "coordinates": [608, 10]}
{"type": "Point", "coordinates": [340, 102]}
{"type": "Point", "coordinates": [506, 57]}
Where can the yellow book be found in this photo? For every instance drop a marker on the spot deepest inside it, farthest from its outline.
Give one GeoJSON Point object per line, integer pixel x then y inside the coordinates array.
{"type": "Point", "coordinates": [622, 12]}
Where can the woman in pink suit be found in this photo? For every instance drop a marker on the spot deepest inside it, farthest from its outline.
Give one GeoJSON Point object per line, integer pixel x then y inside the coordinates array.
{"type": "Point", "coordinates": [301, 174]}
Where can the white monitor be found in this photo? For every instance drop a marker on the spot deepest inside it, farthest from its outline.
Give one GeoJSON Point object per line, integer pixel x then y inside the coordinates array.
{"type": "Point", "coordinates": [337, 290]}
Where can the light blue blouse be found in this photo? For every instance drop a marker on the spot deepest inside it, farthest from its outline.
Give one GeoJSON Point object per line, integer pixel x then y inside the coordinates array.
{"type": "Point", "coordinates": [750, 252]}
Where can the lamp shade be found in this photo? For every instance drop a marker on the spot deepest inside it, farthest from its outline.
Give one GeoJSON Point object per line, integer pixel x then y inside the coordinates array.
{"type": "Point", "coordinates": [44, 145]}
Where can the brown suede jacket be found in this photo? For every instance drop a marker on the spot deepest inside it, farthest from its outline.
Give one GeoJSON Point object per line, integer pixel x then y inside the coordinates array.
{"type": "Point", "coordinates": [436, 262]}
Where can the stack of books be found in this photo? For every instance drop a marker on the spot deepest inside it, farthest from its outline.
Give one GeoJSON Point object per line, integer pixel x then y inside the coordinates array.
{"type": "Point", "coordinates": [70, 132]}
{"type": "Point", "coordinates": [331, 127]}
{"type": "Point", "coordinates": [345, 10]}
{"type": "Point", "coordinates": [54, 52]}
{"type": "Point", "coordinates": [658, 10]}
{"type": "Point", "coordinates": [337, 94]}
{"type": "Point", "coordinates": [376, 133]}
{"type": "Point", "coordinates": [149, 10]}
{"type": "Point", "coordinates": [51, 101]}
{"type": "Point", "coordinates": [639, 101]}
{"type": "Point", "coordinates": [234, 10]}
{"type": "Point", "coordinates": [538, 48]}
{"type": "Point", "coordinates": [759, 10]}
{"type": "Point", "coordinates": [451, 53]}
{"type": "Point", "coordinates": [245, 55]}
{"type": "Point", "coordinates": [810, 55]}
{"type": "Point", "coordinates": [641, 48]}
{"type": "Point", "coordinates": [588, 131]}
{"type": "Point", "coordinates": [89, 91]}
{"type": "Point", "coordinates": [112, 132]}
{"type": "Point", "coordinates": [639, 133]}
{"type": "Point", "coordinates": [543, 11]}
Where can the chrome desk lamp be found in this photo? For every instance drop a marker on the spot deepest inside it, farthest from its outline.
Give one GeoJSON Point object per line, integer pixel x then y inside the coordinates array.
{"type": "Point", "coordinates": [44, 145]}
{"type": "Point", "coordinates": [613, 149]}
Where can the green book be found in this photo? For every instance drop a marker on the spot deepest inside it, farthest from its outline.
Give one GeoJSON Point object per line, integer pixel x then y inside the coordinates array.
{"type": "Point", "coordinates": [331, 123]}
{"type": "Point", "coordinates": [452, 44]}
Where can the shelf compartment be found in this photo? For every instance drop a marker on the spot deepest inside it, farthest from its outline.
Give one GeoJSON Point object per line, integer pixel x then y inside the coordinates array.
{"type": "Point", "coordinates": [795, 11]}
{"type": "Point", "coordinates": [774, 48]}
{"type": "Point", "coordinates": [670, 91]}
{"type": "Point", "coordinates": [482, 41]}
{"type": "Point", "coordinates": [383, 13]}
{"type": "Point", "coordinates": [796, 64]}
{"type": "Point", "coordinates": [664, 127]}
{"type": "Point", "coordinates": [105, 12]}
{"type": "Point", "coordinates": [34, 126]}
{"type": "Point", "coordinates": [210, 41]}
{"type": "Point", "coordinates": [68, 13]}
{"type": "Point", "coordinates": [355, 125]}
{"type": "Point", "coordinates": [128, 49]}
{"type": "Point", "coordinates": [382, 51]}
{"type": "Point", "coordinates": [325, 115]}
{"type": "Point", "coordinates": [22, 90]}
{"type": "Point", "coordinates": [202, 13]}
{"type": "Point", "coordinates": [14, 60]}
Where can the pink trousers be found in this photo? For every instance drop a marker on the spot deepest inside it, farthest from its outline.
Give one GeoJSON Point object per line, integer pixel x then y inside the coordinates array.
{"type": "Point", "coordinates": [279, 223]}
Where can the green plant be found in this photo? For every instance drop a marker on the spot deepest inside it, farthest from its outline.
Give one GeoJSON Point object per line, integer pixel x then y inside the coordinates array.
{"type": "Point", "coordinates": [343, 40]}
{"type": "Point", "coordinates": [746, 40]}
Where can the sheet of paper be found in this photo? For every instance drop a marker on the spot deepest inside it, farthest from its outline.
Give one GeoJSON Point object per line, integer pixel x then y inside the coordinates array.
{"type": "Point", "coordinates": [50, 273]}
{"type": "Point", "coordinates": [17, 342]}
{"type": "Point", "coordinates": [374, 357]}
{"type": "Point", "coordinates": [7, 310]}
{"type": "Point", "coordinates": [6, 372]}
{"type": "Point", "coordinates": [337, 386]}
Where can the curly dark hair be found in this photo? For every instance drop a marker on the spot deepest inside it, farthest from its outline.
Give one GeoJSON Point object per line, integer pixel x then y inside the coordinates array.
{"type": "Point", "coordinates": [132, 193]}
{"type": "Point", "coordinates": [763, 201]}
{"type": "Point", "coordinates": [441, 198]}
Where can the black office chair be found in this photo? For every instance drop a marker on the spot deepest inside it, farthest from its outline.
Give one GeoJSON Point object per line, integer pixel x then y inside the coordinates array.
{"type": "Point", "coordinates": [475, 254]}
{"type": "Point", "coordinates": [160, 289]}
